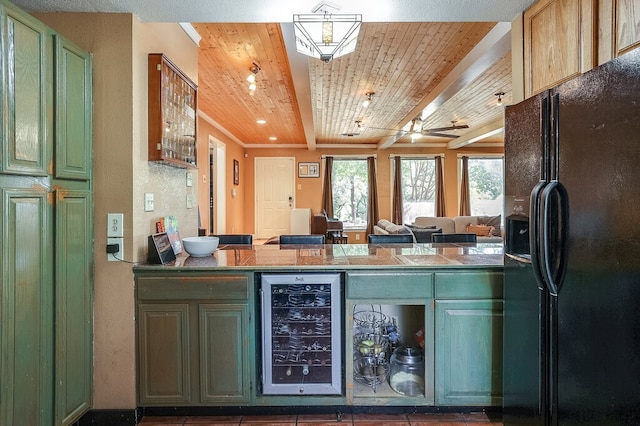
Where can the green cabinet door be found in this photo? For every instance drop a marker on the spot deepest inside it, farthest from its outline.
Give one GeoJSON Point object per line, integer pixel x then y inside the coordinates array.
{"type": "Point", "coordinates": [163, 354]}
{"type": "Point", "coordinates": [73, 112]}
{"type": "Point", "coordinates": [26, 364]}
{"type": "Point", "coordinates": [468, 358]}
{"type": "Point", "coordinates": [27, 99]}
{"type": "Point", "coordinates": [73, 305]}
{"type": "Point", "coordinates": [224, 353]}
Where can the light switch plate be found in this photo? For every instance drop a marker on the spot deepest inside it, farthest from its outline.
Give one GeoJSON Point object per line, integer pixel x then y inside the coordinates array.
{"type": "Point", "coordinates": [189, 179]}
{"type": "Point", "coordinates": [148, 201]}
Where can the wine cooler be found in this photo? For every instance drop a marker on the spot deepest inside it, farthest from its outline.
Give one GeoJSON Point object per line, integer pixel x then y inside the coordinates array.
{"type": "Point", "coordinates": [301, 337]}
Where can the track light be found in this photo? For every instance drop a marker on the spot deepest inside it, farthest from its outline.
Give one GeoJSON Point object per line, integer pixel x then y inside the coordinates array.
{"type": "Point", "coordinates": [367, 101]}
{"type": "Point", "coordinates": [499, 95]}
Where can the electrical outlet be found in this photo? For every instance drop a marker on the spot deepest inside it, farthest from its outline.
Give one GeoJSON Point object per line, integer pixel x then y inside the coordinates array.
{"type": "Point", "coordinates": [115, 225]}
{"type": "Point", "coordinates": [357, 236]}
{"type": "Point", "coordinates": [148, 201]}
{"type": "Point", "coordinates": [116, 257]}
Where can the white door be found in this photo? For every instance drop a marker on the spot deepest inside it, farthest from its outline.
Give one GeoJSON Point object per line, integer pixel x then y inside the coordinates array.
{"type": "Point", "coordinates": [217, 184]}
{"type": "Point", "coordinates": [274, 189]}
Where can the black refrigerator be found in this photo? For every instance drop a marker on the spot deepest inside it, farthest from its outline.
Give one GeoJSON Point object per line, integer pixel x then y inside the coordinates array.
{"type": "Point", "coordinates": [572, 251]}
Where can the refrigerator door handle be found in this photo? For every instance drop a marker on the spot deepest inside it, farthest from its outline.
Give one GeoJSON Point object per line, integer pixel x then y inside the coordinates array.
{"type": "Point", "coordinates": [534, 234]}
{"type": "Point", "coordinates": [554, 225]}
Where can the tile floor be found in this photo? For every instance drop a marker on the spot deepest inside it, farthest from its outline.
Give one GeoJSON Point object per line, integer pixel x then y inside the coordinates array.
{"type": "Point", "coordinates": [419, 419]}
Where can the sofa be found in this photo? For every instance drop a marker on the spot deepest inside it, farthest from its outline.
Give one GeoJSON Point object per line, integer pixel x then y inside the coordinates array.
{"type": "Point", "coordinates": [487, 228]}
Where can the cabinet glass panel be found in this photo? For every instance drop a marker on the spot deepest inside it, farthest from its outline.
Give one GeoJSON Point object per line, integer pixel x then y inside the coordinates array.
{"type": "Point", "coordinates": [301, 339]}
{"type": "Point", "coordinates": [172, 114]}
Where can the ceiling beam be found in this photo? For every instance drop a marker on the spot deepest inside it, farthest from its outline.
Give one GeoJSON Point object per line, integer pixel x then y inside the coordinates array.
{"type": "Point", "coordinates": [492, 47]}
{"type": "Point", "coordinates": [492, 128]}
{"type": "Point", "coordinates": [299, 66]}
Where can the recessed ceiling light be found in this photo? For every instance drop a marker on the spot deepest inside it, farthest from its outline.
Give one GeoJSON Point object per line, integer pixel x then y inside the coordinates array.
{"type": "Point", "coordinates": [261, 121]}
{"type": "Point", "coordinates": [272, 138]}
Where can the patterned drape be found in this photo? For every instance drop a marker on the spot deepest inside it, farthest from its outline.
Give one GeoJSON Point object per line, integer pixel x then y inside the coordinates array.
{"type": "Point", "coordinates": [372, 206]}
{"type": "Point", "coordinates": [327, 187]}
{"type": "Point", "coordinates": [465, 202]}
{"type": "Point", "coordinates": [396, 209]}
{"type": "Point", "coordinates": [440, 209]}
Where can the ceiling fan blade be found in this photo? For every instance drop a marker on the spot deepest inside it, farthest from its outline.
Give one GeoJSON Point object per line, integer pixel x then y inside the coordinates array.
{"type": "Point", "coordinates": [440, 135]}
{"type": "Point", "coordinates": [440, 129]}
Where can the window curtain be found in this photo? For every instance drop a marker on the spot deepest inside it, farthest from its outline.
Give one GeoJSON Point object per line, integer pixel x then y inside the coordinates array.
{"type": "Point", "coordinates": [396, 212]}
{"type": "Point", "coordinates": [372, 207]}
{"type": "Point", "coordinates": [440, 201]}
{"type": "Point", "coordinates": [327, 187]}
{"type": "Point", "coordinates": [465, 202]}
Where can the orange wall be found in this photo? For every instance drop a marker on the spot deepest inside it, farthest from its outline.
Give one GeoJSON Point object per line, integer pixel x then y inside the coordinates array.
{"type": "Point", "coordinates": [241, 210]}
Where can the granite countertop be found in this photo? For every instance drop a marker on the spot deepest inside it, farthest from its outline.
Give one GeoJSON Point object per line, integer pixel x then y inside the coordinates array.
{"type": "Point", "coordinates": [341, 256]}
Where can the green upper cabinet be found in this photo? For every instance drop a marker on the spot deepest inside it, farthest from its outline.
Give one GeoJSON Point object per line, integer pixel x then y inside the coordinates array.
{"type": "Point", "coordinates": [73, 113]}
{"type": "Point", "coordinates": [27, 99]}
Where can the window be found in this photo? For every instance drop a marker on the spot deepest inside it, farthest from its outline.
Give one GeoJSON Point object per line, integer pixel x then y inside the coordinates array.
{"type": "Point", "coordinates": [486, 185]}
{"type": "Point", "coordinates": [418, 188]}
{"type": "Point", "coordinates": [350, 192]}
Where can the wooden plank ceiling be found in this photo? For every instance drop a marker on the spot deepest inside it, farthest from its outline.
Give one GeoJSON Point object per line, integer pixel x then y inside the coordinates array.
{"type": "Point", "coordinates": [403, 63]}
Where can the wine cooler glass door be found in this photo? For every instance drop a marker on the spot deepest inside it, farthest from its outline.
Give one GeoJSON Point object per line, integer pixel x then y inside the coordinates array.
{"type": "Point", "coordinates": [301, 341]}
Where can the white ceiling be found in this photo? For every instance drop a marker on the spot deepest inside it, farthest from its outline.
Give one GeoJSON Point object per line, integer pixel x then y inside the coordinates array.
{"type": "Point", "coordinates": [283, 10]}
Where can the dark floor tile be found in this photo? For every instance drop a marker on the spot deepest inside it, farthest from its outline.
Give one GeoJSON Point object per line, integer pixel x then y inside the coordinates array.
{"type": "Point", "coordinates": [162, 420]}
{"type": "Point", "coordinates": [197, 420]}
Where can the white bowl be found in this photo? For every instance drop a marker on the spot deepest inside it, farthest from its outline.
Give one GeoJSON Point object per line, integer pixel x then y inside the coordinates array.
{"type": "Point", "coordinates": [200, 246]}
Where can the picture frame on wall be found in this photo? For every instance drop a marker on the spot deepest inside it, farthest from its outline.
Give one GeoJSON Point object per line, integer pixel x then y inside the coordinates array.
{"type": "Point", "coordinates": [308, 170]}
{"type": "Point", "coordinates": [236, 172]}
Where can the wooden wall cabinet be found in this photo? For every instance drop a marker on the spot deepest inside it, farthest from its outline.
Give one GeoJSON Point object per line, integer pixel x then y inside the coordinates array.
{"type": "Point", "coordinates": [559, 42]}
{"type": "Point", "coordinates": [172, 114]}
{"type": "Point", "coordinates": [619, 24]}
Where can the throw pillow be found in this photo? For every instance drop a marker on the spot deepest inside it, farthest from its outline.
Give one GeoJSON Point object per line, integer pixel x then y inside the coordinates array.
{"type": "Point", "coordinates": [397, 229]}
{"type": "Point", "coordinates": [494, 221]}
{"type": "Point", "coordinates": [480, 230]}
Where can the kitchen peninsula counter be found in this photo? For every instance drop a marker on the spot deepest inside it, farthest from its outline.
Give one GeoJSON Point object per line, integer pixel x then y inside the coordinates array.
{"type": "Point", "coordinates": [184, 309]}
{"type": "Point", "coordinates": [341, 256]}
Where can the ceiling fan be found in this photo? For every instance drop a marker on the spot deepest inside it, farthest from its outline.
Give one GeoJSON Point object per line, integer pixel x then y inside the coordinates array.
{"type": "Point", "coordinates": [415, 130]}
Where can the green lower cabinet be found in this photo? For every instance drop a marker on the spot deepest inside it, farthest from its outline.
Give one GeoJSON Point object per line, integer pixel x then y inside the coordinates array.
{"type": "Point", "coordinates": [163, 353]}
{"type": "Point", "coordinates": [73, 326]}
{"type": "Point", "coordinates": [468, 352]}
{"type": "Point", "coordinates": [224, 365]}
{"type": "Point", "coordinates": [194, 339]}
{"type": "Point", "coordinates": [26, 308]}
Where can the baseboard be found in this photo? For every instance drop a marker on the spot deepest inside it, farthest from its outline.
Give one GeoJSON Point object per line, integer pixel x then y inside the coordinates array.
{"type": "Point", "coordinates": [133, 416]}
{"type": "Point", "coordinates": [110, 418]}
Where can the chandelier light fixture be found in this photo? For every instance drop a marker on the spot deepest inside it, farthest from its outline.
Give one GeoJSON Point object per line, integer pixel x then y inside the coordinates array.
{"type": "Point", "coordinates": [499, 95]}
{"type": "Point", "coordinates": [325, 35]}
{"type": "Point", "coordinates": [251, 78]}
